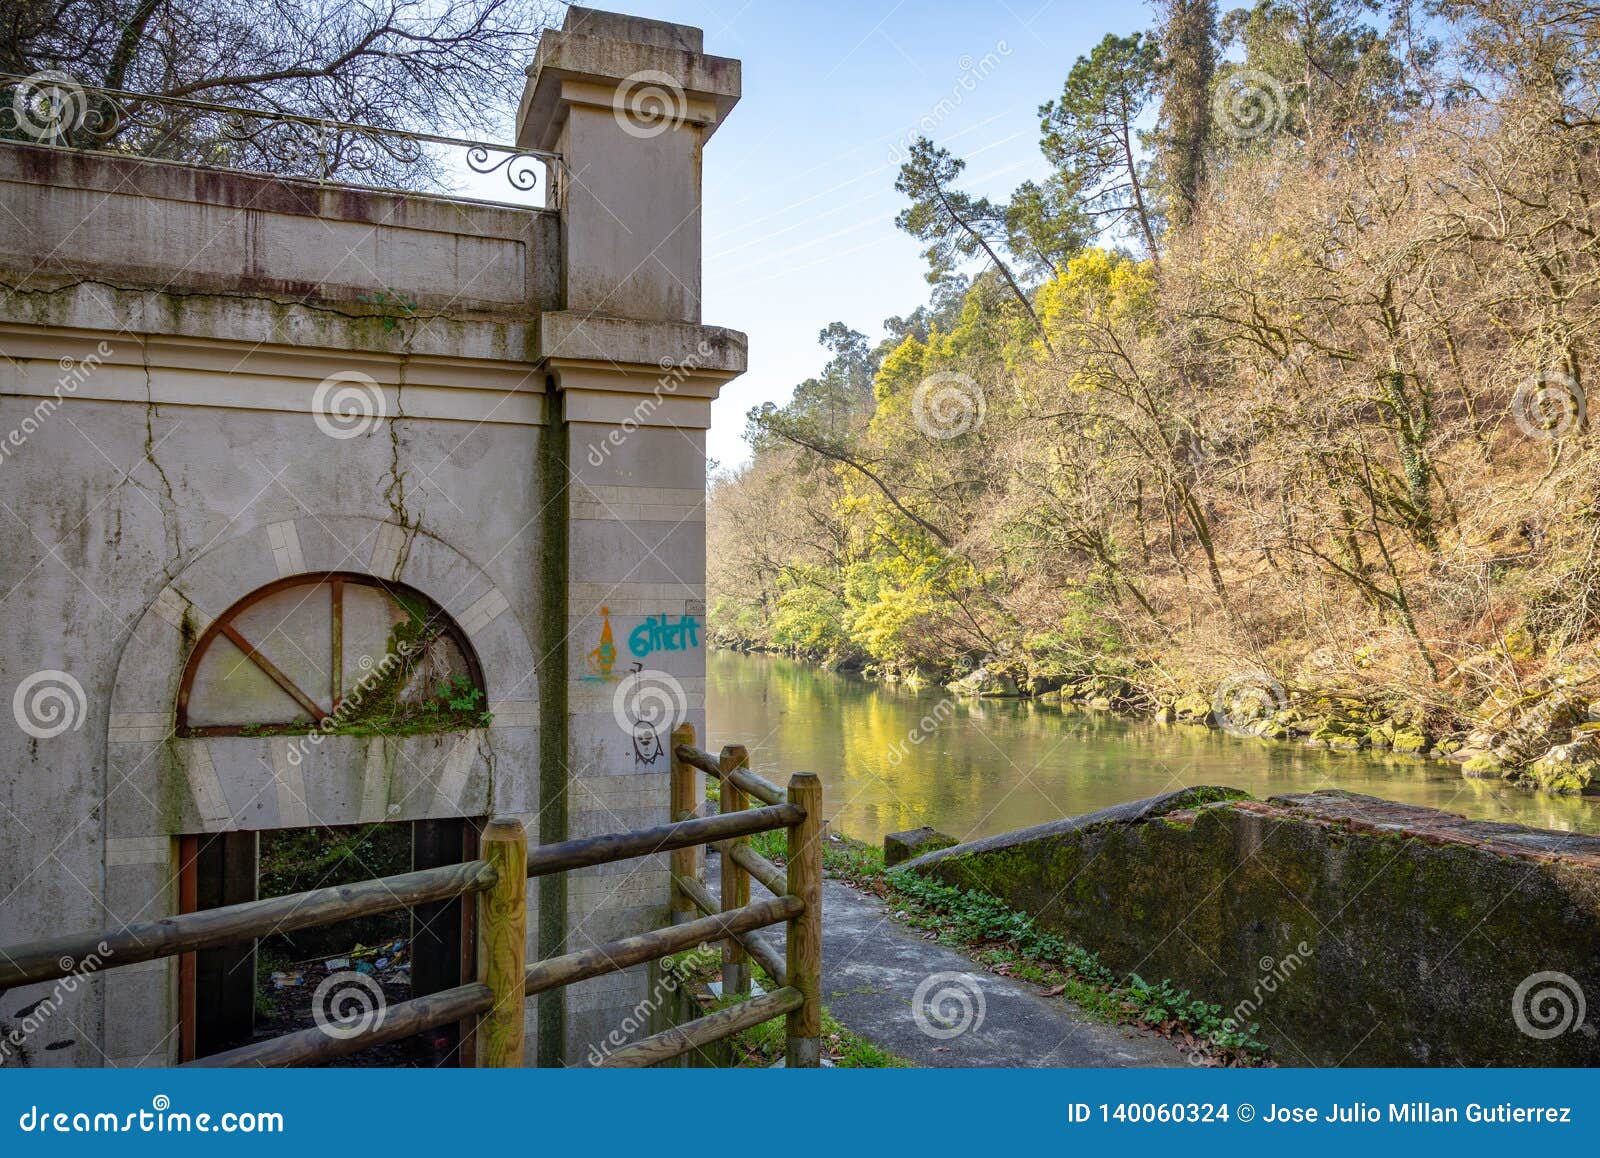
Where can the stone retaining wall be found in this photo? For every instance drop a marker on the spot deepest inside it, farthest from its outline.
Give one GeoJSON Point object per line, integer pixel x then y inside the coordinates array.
{"type": "Point", "coordinates": [1355, 931]}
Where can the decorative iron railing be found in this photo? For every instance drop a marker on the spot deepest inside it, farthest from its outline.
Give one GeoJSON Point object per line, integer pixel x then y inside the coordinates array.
{"type": "Point", "coordinates": [56, 109]}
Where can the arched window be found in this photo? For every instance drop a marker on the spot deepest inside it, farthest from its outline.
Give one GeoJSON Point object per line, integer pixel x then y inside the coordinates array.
{"type": "Point", "coordinates": [337, 653]}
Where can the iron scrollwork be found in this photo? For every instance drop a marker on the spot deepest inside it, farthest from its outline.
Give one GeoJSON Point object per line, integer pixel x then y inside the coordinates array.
{"type": "Point", "coordinates": [55, 108]}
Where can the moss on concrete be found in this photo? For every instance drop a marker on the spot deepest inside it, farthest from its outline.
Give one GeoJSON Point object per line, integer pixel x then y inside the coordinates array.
{"type": "Point", "coordinates": [1410, 930]}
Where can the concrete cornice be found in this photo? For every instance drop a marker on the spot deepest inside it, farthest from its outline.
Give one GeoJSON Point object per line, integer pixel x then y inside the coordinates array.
{"type": "Point", "coordinates": [619, 371]}
{"type": "Point", "coordinates": [569, 336]}
{"type": "Point", "coordinates": [598, 54]}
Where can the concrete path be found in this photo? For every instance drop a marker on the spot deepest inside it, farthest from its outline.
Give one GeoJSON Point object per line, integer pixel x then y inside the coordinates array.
{"type": "Point", "coordinates": [934, 1006]}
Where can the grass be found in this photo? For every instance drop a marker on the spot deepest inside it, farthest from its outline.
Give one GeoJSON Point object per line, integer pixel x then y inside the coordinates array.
{"type": "Point", "coordinates": [847, 1050]}
{"type": "Point", "coordinates": [763, 1044]}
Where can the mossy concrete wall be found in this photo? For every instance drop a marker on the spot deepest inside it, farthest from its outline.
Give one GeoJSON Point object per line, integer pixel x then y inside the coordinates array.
{"type": "Point", "coordinates": [211, 381]}
{"type": "Point", "coordinates": [1355, 931]}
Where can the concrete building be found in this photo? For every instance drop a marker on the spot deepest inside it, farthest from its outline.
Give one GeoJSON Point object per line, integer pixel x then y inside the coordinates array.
{"type": "Point", "coordinates": [255, 429]}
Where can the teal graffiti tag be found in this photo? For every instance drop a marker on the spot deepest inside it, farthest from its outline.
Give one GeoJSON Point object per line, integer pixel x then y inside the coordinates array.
{"type": "Point", "coordinates": [658, 633]}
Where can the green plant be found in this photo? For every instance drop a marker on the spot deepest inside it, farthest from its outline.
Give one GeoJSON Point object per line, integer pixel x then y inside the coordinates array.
{"type": "Point", "coordinates": [1010, 941]}
{"type": "Point", "coordinates": [389, 300]}
{"type": "Point", "coordinates": [764, 1044]}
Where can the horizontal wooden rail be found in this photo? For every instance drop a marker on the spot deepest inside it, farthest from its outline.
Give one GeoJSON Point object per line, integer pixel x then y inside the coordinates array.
{"type": "Point", "coordinates": [611, 957]}
{"type": "Point", "coordinates": [766, 956]}
{"type": "Point", "coordinates": [702, 1031]}
{"type": "Point", "coordinates": [592, 850]}
{"type": "Point", "coordinates": [763, 790]}
{"type": "Point", "coordinates": [758, 866]}
{"type": "Point", "coordinates": [212, 928]}
{"type": "Point", "coordinates": [318, 1044]}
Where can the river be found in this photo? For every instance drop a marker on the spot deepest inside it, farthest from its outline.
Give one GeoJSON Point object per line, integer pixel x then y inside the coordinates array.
{"type": "Point", "coordinates": [891, 758]}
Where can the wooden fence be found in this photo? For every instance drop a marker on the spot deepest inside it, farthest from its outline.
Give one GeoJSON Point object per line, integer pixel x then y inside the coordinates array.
{"type": "Point", "coordinates": [494, 1001]}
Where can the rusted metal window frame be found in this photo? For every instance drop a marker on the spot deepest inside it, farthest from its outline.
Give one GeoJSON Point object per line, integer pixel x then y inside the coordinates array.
{"type": "Point", "coordinates": [335, 581]}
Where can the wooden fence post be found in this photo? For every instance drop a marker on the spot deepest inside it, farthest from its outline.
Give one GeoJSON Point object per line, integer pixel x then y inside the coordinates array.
{"type": "Point", "coordinates": [683, 807]}
{"type": "Point", "coordinates": [735, 881]}
{"type": "Point", "coordinates": [503, 942]}
{"type": "Point", "coordinates": [805, 930]}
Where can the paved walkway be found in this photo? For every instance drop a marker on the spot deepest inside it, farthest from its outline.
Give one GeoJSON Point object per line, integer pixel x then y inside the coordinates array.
{"type": "Point", "coordinates": [873, 968]}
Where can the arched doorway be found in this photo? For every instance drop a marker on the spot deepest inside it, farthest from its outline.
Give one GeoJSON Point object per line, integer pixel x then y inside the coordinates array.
{"type": "Point", "coordinates": [331, 654]}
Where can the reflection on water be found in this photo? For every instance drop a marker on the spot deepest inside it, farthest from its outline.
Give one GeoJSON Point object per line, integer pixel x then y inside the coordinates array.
{"type": "Point", "coordinates": [988, 766]}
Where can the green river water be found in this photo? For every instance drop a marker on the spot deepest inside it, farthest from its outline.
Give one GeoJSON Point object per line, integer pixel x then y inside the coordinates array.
{"type": "Point", "coordinates": [892, 759]}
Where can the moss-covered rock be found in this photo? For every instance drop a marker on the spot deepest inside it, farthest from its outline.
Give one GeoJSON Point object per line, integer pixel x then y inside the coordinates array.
{"type": "Point", "coordinates": [1343, 734]}
{"type": "Point", "coordinates": [1521, 644]}
{"type": "Point", "coordinates": [984, 681]}
{"type": "Point", "coordinates": [1411, 743]}
{"type": "Point", "coordinates": [1566, 768]}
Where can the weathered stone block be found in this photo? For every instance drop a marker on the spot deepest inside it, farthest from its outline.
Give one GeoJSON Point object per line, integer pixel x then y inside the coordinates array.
{"type": "Point", "coordinates": [903, 846]}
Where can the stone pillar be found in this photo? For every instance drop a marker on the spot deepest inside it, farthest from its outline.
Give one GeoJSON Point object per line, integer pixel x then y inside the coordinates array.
{"type": "Point", "coordinates": [628, 103]}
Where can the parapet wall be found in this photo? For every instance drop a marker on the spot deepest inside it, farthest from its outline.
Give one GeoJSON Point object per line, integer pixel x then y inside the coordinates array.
{"type": "Point", "coordinates": [1355, 931]}
{"type": "Point", "coordinates": [128, 222]}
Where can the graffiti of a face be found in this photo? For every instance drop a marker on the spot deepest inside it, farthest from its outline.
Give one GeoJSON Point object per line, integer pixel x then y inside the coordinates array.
{"type": "Point", "coordinates": [647, 745]}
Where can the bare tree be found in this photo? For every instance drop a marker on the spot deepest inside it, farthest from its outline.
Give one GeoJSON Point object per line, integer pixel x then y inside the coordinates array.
{"type": "Point", "coordinates": [439, 66]}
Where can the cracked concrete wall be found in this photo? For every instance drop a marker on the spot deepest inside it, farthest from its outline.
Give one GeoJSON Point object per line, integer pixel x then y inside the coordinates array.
{"type": "Point", "coordinates": [164, 451]}
{"type": "Point", "coordinates": [211, 380]}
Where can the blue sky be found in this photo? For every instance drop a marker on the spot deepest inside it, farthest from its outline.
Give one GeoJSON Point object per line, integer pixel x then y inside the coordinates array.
{"type": "Point", "coordinates": [799, 183]}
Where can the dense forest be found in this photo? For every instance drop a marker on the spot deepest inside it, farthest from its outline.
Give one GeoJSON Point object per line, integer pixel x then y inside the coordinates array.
{"type": "Point", "coordinates": [1267, 406]}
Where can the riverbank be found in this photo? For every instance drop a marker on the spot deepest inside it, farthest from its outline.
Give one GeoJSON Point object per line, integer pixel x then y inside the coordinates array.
{"type": "Point", "coordinates": [1541, 736]}
{"type": "Point", "coordinates": [897, 756]}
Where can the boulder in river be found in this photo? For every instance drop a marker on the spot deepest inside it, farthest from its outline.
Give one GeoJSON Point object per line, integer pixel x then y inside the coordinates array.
{"type": "Point", "coordinates": [984, 681]}
{"type": "Point", "coordinates": [1566, 767]}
